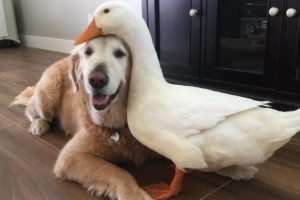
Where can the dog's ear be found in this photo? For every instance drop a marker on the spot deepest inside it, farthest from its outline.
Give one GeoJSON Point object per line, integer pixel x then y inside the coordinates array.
{"type": "Point", "coordinates": [75, 72]}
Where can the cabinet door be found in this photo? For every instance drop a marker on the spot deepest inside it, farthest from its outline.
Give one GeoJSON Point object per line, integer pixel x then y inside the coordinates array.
{"type": "Point", "coordinates": [176, 36]}
{"type": "Point", "coordinates": [242, 41]}
{"type": "Point", "coordinates": [290, 67]}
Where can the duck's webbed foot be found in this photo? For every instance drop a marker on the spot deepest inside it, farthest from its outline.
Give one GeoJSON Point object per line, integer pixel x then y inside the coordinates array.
{"type": "Point", "coordinates": [163, 191]}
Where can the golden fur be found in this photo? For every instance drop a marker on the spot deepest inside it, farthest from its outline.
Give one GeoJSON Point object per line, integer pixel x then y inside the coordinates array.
{"type": "Point", "coordinates": [86, 157]}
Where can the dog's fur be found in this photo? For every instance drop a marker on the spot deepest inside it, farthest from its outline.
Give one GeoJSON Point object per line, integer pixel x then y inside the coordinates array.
{"type": "Point", "coordinates": [64, 92]}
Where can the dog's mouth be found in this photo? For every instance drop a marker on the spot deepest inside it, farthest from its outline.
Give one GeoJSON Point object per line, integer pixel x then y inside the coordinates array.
{"type": "Point", "coordinates": [101, 101]}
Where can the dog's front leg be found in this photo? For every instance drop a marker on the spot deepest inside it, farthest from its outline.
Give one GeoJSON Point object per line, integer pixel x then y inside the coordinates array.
{"type": "Point", "coordinates": [46, 96]}
{"type": "Point", "coordinates": [75, 162]}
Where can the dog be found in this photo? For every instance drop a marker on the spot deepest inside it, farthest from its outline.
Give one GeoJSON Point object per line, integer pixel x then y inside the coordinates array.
{"type": "Point", "coordinates": [87, 92]}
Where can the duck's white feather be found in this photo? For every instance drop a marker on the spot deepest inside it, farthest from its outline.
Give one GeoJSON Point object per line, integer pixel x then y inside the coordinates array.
{"type": "Point", "coordinates": [187, 110]}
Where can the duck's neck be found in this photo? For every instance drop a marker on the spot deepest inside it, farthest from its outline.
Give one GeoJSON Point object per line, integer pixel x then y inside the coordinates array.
{"type": "Point", "coordinates": [145, 64]}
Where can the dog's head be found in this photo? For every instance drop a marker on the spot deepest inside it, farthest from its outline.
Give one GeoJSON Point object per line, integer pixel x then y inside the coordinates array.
{"type": "Point", "coordinates": [103, 64]}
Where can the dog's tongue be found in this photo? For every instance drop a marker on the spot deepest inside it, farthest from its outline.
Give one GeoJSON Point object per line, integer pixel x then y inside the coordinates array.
{"type": "Point", "coordinates": [99, 100]}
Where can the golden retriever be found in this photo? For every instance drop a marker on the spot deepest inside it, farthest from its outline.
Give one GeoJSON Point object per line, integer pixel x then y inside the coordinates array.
{"type": "Point", "coordinates": [87, 92]}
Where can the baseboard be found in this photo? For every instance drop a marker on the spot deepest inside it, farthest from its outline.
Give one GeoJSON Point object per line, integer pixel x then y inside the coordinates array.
{"type": "Point", "coordinates": [52, 44]}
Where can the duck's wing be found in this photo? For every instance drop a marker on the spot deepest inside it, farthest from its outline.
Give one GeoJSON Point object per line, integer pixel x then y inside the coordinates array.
{"type": "Point", "coordinates": [190, 110]}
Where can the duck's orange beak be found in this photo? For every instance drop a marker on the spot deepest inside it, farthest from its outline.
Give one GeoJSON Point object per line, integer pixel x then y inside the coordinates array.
{"type": "Point", "coordinates": [91, 32]}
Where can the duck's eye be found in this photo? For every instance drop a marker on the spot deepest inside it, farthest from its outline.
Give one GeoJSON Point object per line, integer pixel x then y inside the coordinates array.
{"type": "Point", "coordinates": [118, 53]}
{"type": "Point", "coordinates": [89, 51]}
{"type": "Point", "coordinates": [106, 11]}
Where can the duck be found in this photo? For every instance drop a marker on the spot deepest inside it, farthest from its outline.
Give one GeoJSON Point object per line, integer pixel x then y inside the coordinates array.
{"type": "Point", "coordinates": [196, 128]}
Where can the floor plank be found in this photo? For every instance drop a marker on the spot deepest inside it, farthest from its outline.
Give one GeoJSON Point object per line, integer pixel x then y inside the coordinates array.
{"type": "Point", "coordinates": [20, 77]}
{"type": "Point", "coordinates": [250, 190]}
{"type": "Point", "coordinates": [4, 122]}
{"type": "Point", "coordinates": [281, 171]}
{"type": "Point", "coordinates": [26, 169]}
{"type": "Point", "coordinates": [8, 92]}
{"type": "Point", "coordinates": [27, 58]}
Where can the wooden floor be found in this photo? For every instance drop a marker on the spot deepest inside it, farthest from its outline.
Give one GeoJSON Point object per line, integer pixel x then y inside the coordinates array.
{"type": "Point", "coordinates": [26, 161]}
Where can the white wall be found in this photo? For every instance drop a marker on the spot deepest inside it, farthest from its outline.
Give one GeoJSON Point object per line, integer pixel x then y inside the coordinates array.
{"type": "Point", "coordinates": [60, 20]}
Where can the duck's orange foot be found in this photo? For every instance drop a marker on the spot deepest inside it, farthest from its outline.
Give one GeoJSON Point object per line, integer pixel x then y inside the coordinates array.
{"type": "Point", "coordinates": [161, 191]}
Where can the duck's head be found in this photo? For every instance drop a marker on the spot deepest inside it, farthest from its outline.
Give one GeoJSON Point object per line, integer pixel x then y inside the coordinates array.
{"type": "Point", "coordinates": [109, 18]}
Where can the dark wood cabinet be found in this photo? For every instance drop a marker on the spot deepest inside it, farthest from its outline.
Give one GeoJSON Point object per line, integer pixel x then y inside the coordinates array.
{"type": "Point", "coordinates": [249, 46]}
{"type": "Point", "coordinates": [176, 36]}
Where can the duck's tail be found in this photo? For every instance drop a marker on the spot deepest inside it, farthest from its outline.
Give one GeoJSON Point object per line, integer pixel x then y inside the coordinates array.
{"type": "Point", "coordinates": [290, 128]}
{"type": "Point", "coordinates": [293, 123]}
{"type": "Point", "coordinates": [283, 127]}
{"type": "Point", "coordinates": [23, 97]}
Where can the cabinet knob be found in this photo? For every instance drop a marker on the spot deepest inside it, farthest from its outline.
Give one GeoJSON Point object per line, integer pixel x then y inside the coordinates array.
{"type": "Point", "coordinates": [291, 12]}
{"type": "Point", "coordinates": [273, 11]}
{"type": "Point", "coordinates": [193, 12]}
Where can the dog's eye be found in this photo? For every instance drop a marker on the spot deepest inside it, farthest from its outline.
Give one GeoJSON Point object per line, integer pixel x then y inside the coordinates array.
{"type": "Point", "coordinates": [106, 11]}
{"type": "Point", "coordinates": [119, 54]}
{"type": "Point", "coordinates": [89, 51]}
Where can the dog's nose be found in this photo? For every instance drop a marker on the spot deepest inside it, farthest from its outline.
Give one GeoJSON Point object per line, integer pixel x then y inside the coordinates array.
{"type": "Point", "coordinates": [98, 79]}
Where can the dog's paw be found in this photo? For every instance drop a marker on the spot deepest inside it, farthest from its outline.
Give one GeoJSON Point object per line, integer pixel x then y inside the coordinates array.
{"type": "Point", "coordinates": [239, 172]}
{"type": "Point", "coordinates": [39, 127]}
{"type": "Point", "coordinates": [59, 169]}
{"type": "Point", "coordinates": [136, 193]}
{"type": "Point", "coordinates": [143, 195]}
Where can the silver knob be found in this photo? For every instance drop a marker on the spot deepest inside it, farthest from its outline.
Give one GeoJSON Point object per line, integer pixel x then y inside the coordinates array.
{"type": "Point", "coordinates": [193, 12]}
{"type": "Point", "coordinates": [273, 11]}
{"type": "Point", "coordinates": [291, 12]}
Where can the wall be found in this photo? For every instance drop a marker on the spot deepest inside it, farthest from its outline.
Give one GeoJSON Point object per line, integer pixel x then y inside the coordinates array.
{"type": "Point", "coordinates": [55, 21]}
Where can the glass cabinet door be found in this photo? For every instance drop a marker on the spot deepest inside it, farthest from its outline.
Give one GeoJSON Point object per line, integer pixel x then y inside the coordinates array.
{"type": "Point", "coordinates": [242, 35]}
{"type": "Point", "coordinates": [238, 44]}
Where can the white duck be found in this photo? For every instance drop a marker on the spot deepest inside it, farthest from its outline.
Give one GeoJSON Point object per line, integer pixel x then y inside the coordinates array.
{"type": "Point", "coordinates": [196, 128]}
